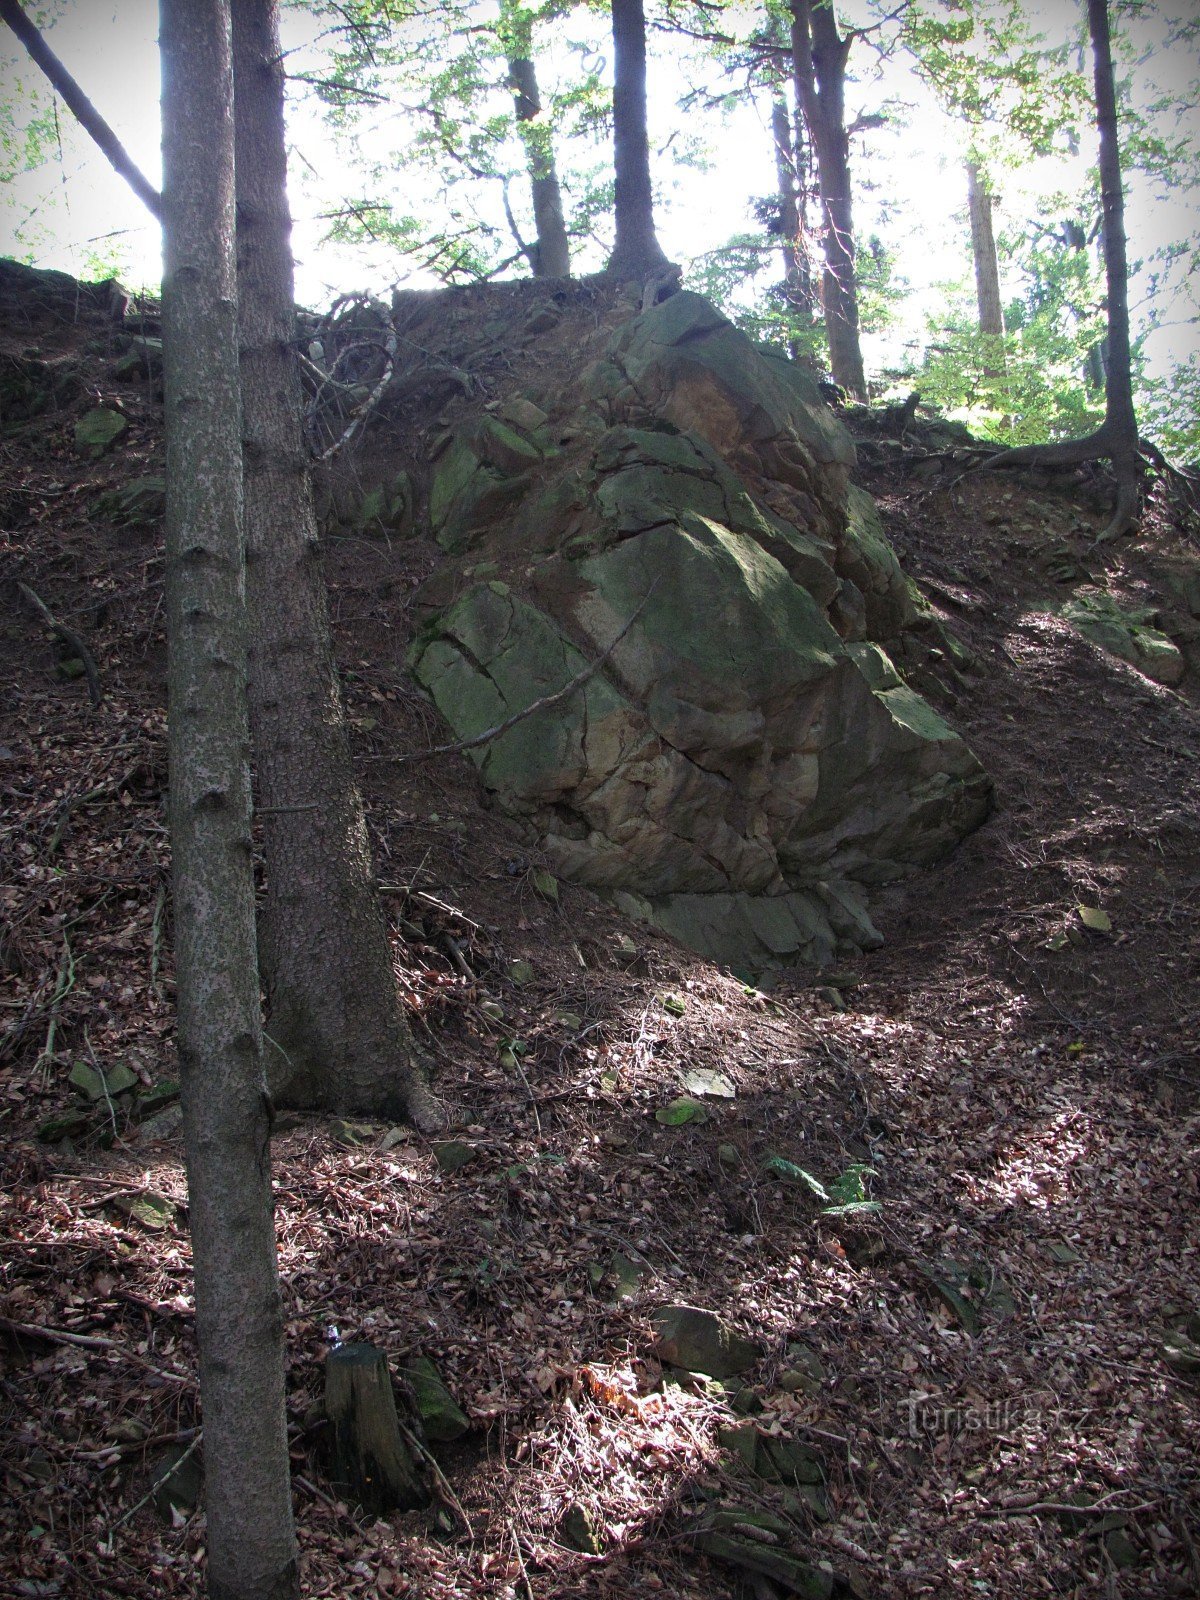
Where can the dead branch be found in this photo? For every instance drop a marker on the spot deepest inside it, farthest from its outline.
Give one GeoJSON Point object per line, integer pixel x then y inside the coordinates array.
{"type": "Point", "coordinates": [90, 1341]}
{"type": "Point", "coordinates": [80, 106]}
{"type": "Point", "coordinates": [66, 635]}
{"type": "Point", "coordinates": [362, 413]}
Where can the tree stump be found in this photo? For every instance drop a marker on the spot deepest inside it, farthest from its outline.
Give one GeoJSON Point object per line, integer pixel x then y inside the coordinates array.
{"type": "Point", "coordinates": [371, 1459]}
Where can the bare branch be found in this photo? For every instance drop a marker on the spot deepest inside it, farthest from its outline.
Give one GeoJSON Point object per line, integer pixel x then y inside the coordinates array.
{"type": "Point", "coordinates": [81, 107]}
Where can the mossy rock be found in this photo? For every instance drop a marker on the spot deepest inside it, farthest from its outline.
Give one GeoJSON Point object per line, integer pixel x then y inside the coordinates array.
{"type": "Point", "coordinates": [699, 1341]}
{"type": "Point", "coordinates": [97, 431]}
{"type": "Point", "coordinates": [441, 1416]}
{"type": "Point", "coordinates": [1126, 632]}
{"type": "Point", "coordinates": [139, 503]}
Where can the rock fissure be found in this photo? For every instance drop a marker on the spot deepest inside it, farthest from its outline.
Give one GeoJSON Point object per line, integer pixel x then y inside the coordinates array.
{"type": "Point", "coordinates": [749, 759]}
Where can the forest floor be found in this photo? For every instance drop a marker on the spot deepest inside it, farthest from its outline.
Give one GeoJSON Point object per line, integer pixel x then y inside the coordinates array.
{"type": "Point", "coordinates": [992, 1367]}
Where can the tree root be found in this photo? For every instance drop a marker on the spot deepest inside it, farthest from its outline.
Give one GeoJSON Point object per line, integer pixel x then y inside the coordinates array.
{"type": "Point", "coordinates": [1102, 445]}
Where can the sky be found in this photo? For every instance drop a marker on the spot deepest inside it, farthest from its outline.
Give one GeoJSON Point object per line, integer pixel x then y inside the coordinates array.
{"type": "Point", "coordinates": [75, 213]}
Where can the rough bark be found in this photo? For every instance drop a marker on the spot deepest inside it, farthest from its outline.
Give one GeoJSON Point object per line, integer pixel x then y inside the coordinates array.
{"type": "Point", "coordinates": [552, 254]}
{"type": "Point", "coordinates": [983, 251]}
{"type": "Point", "coordinates": [819, 55]}
{"type": "Point", "coordinates": [226, 1112]}
{"type": "Point", "coordinates": [80, 107]}
{"type": "Point", "coordinates": [1116, 439]}
{"type": "Point", "coordinates": [636, 251]}
{"type": "Point", "coordinates": [338, 1038]}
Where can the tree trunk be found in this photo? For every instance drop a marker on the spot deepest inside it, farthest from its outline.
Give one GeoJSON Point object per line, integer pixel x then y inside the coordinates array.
{"type": "Point", "coordinates": [552, 257]}
{"type": "Point", "coordinates": [338, 1038]}
{"type": "Point", "coordinates": [819, 58]}
{"type": "Point", "coordinates": [1116, 439]}
{"type": "Point", "coordinates": [636, 252]}
{"type": "Point", "coordinates": [983, 249]}
{"type": "Point", "coordinates": [226, 1112]}
{"type": "Point", "coordinates": [1120, 416]}
{"type": "Point", "coordinates": [797, 282]}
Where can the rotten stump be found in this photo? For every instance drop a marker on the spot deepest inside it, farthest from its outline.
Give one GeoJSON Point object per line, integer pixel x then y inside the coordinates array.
{"type": "Point", "coordinates": [373, 1459]}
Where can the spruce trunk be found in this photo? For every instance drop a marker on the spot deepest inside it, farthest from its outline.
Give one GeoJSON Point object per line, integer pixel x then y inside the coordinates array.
{"type": "Point", "coordinates": [636, 251]}
{"type": "Point", "coordinates": [226, 1112]}
{"type": "Point", "coordinates": [338, 1039]}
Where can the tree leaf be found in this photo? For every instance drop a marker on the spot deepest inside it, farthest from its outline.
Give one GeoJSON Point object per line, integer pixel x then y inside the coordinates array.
{"type": "Point", "coordinates": [1095, 919]}
{"type": "Point", "coordinates": [684, 1109]}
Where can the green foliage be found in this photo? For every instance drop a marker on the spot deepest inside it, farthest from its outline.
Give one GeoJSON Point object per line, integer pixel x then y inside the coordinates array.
{"type": "Point", "coordinates": [1034, 384]}
{"type": "Point", "coordinates": [443, 70]}
{"type": "Point", "coordinates": [987, 64]}
{"type": "Point", "coordinates": [1169, 410]}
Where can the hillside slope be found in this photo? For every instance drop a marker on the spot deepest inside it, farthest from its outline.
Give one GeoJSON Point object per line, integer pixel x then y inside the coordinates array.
{"type": "Point", "coordinates": [992, 1376]}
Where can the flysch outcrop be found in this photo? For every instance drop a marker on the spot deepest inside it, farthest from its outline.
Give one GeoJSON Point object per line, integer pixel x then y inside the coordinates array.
{"type": "Point", "coordinates": [742, 762]}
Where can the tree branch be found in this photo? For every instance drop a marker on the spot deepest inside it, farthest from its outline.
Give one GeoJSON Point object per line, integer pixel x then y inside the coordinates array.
{"type": "Point", "coordinates": [67, 637]}
{"type": "Point", "coordinates": [81, 107]}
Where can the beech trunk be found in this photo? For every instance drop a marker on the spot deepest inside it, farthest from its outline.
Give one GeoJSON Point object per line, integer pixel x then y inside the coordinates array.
{"type": "Point", "coordinates": [338, 1038]}
{"type": "Point", "coordinates": [819, 56]}
{"type": "Point", "coordinates": [552, 253]}
{"type": "Point", "coordinates": [636, 251]}
{"type": "Point", "coordinates": [226, 1112]}
{"type": "Point", "coordinates": [983, 251]}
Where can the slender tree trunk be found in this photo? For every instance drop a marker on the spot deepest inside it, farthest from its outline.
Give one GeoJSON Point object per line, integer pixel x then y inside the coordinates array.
{"type": "Point", "coordinates": [226, 1112]}
{"type": "Point", "coordinates": [553, 253]}
{"type": "Point", "coordinates": [636, 252]}
{"type": "Point", "coordinates": [983, 250]}
{"type": "Point", "coordinates": [338, 1038]}
{"type": "Point", "coordinates": [819, 57]}
{"type": "Point", "coordinates": [1116, 439]}
{"type": "Point", "coordinates": [797, 281]}
{"type": "Point", "coordinates": [1120, 416]}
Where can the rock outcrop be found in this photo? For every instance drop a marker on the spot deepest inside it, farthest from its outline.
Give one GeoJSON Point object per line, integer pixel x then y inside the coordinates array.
{"type": "Point", "coordinates": [745, 761]}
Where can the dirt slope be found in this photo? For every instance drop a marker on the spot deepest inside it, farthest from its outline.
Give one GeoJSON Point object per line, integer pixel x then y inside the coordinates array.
{"type": "Point", "coordinates": [1018, 1091]}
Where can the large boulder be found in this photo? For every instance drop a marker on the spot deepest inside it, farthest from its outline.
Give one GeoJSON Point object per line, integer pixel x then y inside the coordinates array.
{"type": "Point", "coordinates": [745, 759]}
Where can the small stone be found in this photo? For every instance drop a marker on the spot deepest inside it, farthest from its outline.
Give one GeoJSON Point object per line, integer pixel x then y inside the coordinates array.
{"type": "Point", "coordinates": [97, 1083]}
{"type": "Point", "coordinates": [179, 1474]}
{"type": "Point", "coordinates": [453, 1154]}
{"type": "Point", "coordinates": [152, 1211]}
{"type": "Point", "coordinates": [699, 1341]}
{"type": "Point", "coordinates": [1120, 1549]}
{"type": "Point", "coordinates": [98, 430]}
{"type": "Point", "coordinates": [520, 972]}
{"type": "Point", "coordinates": [578, 1529]}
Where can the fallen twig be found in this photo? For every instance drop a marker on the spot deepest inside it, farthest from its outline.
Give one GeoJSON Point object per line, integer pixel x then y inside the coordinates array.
{"type": "Point", "coordinates": [158, 1483]}
{"type": "Point", "coordinates": [71, 639]}
{"type": "Point", "coordinates": [90, 1341]}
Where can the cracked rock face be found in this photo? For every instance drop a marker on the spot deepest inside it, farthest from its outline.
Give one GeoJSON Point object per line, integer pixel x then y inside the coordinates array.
{"type": "Point", "coordinates": [746, 761]}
